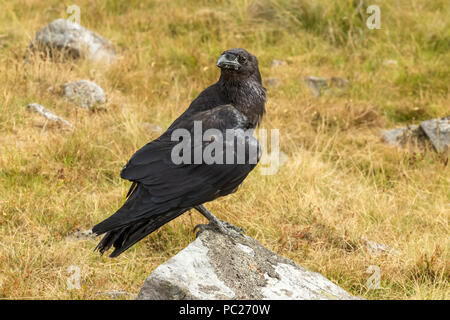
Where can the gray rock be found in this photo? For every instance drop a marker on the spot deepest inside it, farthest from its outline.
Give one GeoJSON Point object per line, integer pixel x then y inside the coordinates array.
{"type": "Point", "coordinates": [317, 85]}
{"type": "Point", "coordinates": [115, 294]}
{"type": "Point", "coordinates": [85, 93]}
{"type": "Point", "coordinates": [377, 249]}
{"type": "Point", "coordinates": [321, 85]}
{"type": "Point", "coordinates": [36, 107]}
{"type": "Point", "coordinates": [151, 127]}
{"type": "Point", "coordinates": [390, 62]}
{"type": "Point", "coordinates": [81, 235]}
{"type": "Point", "coordinates": [216, 266]}
{"type": "Point", "coordinates": [66, 39]}
{"type": "Point", "coordinates": [393, 136]}
{"type": "Point", "coordinates": [338, 82]}
{"type": "Point", "coordinates": [272, 82]}
{"type": "Point", "coordinates": [406, 136]}
{"type": "Point", "coordinates": [277, 63]}
{"type": "Point", "coordinates": [438, 132]}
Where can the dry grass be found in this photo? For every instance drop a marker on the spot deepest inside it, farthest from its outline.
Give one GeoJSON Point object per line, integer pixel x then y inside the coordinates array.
{"type": "Point", "coordinates": [340, 184]}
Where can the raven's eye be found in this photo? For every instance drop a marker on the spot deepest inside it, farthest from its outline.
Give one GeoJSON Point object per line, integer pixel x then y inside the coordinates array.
{"type": "Point", "coordinates": [242, 59]}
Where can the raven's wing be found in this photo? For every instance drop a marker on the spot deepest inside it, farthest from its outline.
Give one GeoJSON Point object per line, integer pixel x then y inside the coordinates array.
{"type": "Point", "coordinates": [163, 186]}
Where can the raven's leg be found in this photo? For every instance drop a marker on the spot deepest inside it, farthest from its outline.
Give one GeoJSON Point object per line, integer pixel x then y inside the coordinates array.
{"type": "Point", "coordinates": [221, 226]}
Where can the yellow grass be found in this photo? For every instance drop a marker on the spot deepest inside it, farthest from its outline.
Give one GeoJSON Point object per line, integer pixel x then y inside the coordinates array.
{"type": "Point", "coordinates": [340, 184]}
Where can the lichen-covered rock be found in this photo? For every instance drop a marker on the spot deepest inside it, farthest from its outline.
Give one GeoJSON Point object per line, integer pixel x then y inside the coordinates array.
{"type": "Point", "coordinates": [401, 137]}
{"type": "Point", "coordinates": [434, 131]}
{"type": "Point", "coordinates": [115, 294]}
{"type": "Point", "coordinates": [65, 39]}
{"type": "Point", "coordinates": [338, 82]}
{"type": "Point", "coordinates": [36, 107]}
{"type": "Point", "coordinates": [377, 249]}
{"type": "Point", "coordinates": [216, 266]}
{"type": "Point", "coordinates": [151, 127]}
{"type": "Point", "coordinates": [81, 235]}
{"type": "Point", "coordinates": [320, 86]}
{"type": "Point", "coordinates": [317, 85]}
{"type": "Point", "coordinates": [438, 132]}
{"type": "Point", "coordinates": [85, 93]}
{"type": "Point", "coordinates": [278, 63]}
{"type": "Point", "coordinates": [271, 82]}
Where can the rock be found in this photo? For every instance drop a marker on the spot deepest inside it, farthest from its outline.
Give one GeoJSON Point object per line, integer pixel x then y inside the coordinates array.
{"type": "Point", "coordinates": [151, 127]}
{"type": "Point", "coordinates": [316, 84]}
{"type": "Point", "coordinates": [321, 85]}
{"type": "Point", "coordinates": [438, 132]}
{"type": "Point", "coordinates": [411, 135]}
{"type": "Point", "coordinates": [115, 294]}
{"type": "Point", "coordinates": [216, 266]}
{"type": "Point", "coordinates": [390, 62]}
{"type": "Point", "coordinates": [81, 234]}
{"type": "Point", "coordinates": [66, 39]}
{"type": "Point", "coordinates": [272, 82]}
{"type": "Point", "coordinates": [376, 248]}
{"type": "Point", "coordinates": [393, 136]}
{"type": "Point", "coordinates": [36, 107]}
{"type": "Point", "coordinates": [85, 93]}
{"type": "Point", "coordinates": [277, 63]}
{"type": "Point", "coordinates": [340, 83]}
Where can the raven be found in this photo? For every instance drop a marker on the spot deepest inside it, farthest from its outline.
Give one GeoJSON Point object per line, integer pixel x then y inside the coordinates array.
{"type": "Point", "coordinates": [162, 188]}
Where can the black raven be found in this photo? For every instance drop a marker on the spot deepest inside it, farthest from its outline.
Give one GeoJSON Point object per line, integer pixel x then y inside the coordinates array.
{"type": "Point", "coordinates": [162, 188]}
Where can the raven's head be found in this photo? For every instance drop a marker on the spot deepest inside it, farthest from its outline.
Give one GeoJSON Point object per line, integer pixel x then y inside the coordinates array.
{"type": "Point", "coordinates": [238, 62]}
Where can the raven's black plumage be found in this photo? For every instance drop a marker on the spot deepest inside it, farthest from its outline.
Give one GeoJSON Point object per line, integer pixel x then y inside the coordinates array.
{"type": "Point", "coordinates": [162, 190]}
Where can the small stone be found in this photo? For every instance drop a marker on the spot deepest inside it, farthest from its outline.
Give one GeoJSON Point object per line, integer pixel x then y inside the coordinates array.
{"type": "Point", "coordinates": [340, 83]}
{"type": "Point", "coordinates": [390, 62]}
{"type": "Point", "coordinates": [317, 85]}
{"type": "Point", "coordinates": [152, 127]}
{"type": "Point", "coordinates": [85, 93]}
{"type": "Point", "coordinates": [434, 131]}
{"type": "Point", "coordinates": [66, 39]}
{"type": "Point", "coordinates": [36, 107]}
{"type": "Point", "coordinates": [277, 63]}
{"type": "Point", "coordinates": [81, 234]}
{"type": "Point", "coordinates": [376, 248]}
{"type": "Point", "coordinates": [401, 137]}
{"type": "Point", "coordinates": [438, 131]}
{"type": "Point", "coordinates": [272, 82]}
{"type": "Point", "coordinates": [393, 136]}
{"type": "Point", "coordinates": [115, 294]}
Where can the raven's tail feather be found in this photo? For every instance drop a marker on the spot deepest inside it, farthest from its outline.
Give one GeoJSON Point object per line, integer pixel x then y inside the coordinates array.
{"type": "Point", "coordinates": [124, 237]}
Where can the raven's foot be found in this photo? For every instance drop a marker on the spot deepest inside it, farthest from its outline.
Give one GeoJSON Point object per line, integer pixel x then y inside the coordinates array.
{"type": "Point", "coordinates": [219, 226]}
{"type": "Point", "coordinates": [216, 224]}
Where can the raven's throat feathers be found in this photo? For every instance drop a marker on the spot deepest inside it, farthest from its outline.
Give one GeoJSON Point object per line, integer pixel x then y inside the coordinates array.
{"type": "Point", "coordinates": [248, 96]}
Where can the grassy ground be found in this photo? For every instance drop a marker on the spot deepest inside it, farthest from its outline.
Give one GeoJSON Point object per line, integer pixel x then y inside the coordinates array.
{"type": "Point", "coordinates": [341, 184]}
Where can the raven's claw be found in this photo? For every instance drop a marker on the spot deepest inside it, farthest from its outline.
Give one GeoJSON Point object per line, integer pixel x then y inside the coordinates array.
{"type": "Point", "coordinates": [219, 226]}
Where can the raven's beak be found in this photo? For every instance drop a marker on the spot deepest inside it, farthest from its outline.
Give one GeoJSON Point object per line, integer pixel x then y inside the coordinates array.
{"type": "Point", "coordinates": [228, 61]}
